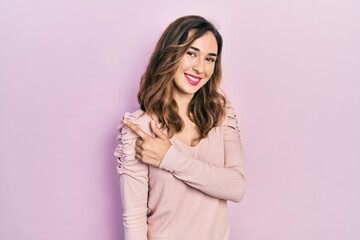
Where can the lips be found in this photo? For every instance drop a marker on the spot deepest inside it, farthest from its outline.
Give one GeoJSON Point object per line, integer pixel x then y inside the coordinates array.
{"type": "Point", "coordinates": [193, 80]}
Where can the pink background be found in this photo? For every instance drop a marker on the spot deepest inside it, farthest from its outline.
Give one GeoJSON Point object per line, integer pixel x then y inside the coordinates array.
{"type": "Point", "coordinates": [70, 69]}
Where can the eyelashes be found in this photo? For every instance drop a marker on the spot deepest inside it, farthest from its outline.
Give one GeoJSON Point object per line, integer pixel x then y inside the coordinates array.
{"type": "Point", "coordinates": [191, 54]}
{"type": "Point", "coordinates": [194, 54]}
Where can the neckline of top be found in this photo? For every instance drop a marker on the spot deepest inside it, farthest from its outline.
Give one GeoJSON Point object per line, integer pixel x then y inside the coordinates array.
{"type": "Point", "coordinates": [174, 138]}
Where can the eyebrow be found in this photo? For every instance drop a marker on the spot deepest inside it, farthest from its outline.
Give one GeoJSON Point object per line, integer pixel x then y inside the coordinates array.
{"type": "Point", "coordinates": [198, 50]}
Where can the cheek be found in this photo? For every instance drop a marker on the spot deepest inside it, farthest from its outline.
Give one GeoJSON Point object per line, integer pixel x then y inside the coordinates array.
{"type": "Point", "coordinates": [210, 70]}
{"type": "Point", "coordinates": [204, 82]}
{"type": "Point", "coordinates": [184, 64]}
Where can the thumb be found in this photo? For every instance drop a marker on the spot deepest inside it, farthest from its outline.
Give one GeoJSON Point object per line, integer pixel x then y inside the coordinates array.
{"type": "Point", "coordinates": [157, 130]}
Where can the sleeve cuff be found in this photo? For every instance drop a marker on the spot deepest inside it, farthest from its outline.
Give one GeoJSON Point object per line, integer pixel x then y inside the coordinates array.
{"type": "Point", "coordinates": [169, 161]}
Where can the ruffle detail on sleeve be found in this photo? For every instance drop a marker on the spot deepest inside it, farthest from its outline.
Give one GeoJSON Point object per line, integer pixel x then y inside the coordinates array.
{"type": "Point", "coordinates": [230, 122]}
{"type": "Point", "coordinates": [125, 149]}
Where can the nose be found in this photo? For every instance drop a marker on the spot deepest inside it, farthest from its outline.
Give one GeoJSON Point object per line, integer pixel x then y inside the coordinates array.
{"type": "Point", "coordinates": [199, 66]}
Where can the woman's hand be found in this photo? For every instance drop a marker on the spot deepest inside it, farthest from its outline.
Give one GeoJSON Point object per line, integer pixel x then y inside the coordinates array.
{"type": "Point", "coordinates": [149, 149]}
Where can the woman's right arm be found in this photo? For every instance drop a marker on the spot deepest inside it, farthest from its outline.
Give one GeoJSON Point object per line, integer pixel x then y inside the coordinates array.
{"type": "Point", "coordinates": [133, 179]}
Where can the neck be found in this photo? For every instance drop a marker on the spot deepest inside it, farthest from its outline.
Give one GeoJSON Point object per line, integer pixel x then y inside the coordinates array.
{"type": "Point", "coordinates": [183, 101]}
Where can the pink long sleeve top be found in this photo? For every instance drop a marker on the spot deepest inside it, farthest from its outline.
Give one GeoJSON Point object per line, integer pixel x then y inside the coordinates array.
{"type": "Point", "coordinates": [185, 198]}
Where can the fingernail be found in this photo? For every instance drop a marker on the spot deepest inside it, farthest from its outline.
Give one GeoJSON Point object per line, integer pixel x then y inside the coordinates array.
{"type": "Point", "coordinates": [125, 121]}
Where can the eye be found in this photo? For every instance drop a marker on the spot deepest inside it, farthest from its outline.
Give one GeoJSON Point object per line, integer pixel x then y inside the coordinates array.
{"type": "Point", "coordinates": [210, 59]}
{"type": "Point", "coordinates": [191, 53]}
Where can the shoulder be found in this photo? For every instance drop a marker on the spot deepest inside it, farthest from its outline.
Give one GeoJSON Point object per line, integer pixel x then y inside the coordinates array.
{"type": "Point", "coordinates": [230, 124]}
{"type": "Point", "coordinates": [230, 113]}
{"type": "Point", "coordinates": [138, 117]}
{"type": "Point", "coordinates": [135, 116]}
{"type": "Point", "coordinates": [229, 109]}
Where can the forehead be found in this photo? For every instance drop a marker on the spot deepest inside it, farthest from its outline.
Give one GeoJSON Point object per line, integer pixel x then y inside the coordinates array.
{"type": "Point", "coordinates": [206, 43]}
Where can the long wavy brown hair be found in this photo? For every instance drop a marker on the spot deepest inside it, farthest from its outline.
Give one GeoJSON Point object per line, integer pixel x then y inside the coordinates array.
{"type": "Point", "coordinates": [207, 107]}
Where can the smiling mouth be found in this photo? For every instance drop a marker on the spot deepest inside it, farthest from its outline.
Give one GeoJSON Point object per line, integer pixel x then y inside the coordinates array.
{"type": "Point", "coordinates": [193, 80]}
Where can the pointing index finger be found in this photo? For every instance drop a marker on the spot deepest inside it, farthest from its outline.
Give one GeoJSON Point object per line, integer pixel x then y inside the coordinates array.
{"type": "Point", "coordinates": [136, 129]}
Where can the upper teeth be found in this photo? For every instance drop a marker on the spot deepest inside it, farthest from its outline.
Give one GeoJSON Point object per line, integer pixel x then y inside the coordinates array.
{"type": "Point", "coordinates": [193, 78]}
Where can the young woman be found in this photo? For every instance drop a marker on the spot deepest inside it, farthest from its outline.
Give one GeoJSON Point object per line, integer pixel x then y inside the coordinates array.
{"type": "Point", "coordinates": [179, 156]}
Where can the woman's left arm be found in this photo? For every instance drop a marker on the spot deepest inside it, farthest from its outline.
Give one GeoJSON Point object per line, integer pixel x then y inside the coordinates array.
{"type": "Point", "coordinates": [224, 182]}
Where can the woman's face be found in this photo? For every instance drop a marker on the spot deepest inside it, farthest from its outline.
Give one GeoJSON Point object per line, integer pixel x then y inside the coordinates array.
{"type": "Point", "coordinates": [196, 66]}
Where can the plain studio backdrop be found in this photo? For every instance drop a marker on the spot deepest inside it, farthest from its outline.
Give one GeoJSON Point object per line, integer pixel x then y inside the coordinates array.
{"type": "Point", "coordinates": [70, 69]}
